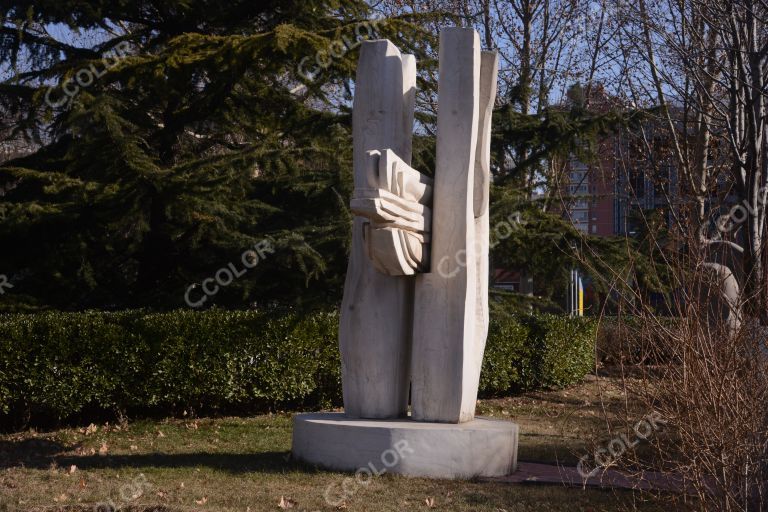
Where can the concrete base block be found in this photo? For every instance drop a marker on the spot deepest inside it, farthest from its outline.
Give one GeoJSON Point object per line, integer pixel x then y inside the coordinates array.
{"type": "Point", "coordinates": [479, 448]}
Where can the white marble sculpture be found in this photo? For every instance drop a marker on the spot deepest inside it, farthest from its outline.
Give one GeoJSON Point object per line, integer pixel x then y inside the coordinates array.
{"type": "Point", "coordinates": [415, 308]}
{"type": "Point", "coordinates": [415, 312]}
{"type": "Point", "coordinates": [722, 284]}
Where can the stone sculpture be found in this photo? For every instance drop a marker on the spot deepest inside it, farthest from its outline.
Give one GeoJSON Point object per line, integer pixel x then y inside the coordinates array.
{"type": "Point", "coordinates": [722, 284]}
{"type": "Point", "coordinates": [414, 316]}
{"type": "Point", "coordinates": [422, 246]}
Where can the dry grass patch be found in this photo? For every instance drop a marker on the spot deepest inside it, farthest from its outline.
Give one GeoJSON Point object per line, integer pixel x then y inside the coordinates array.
{"type": "Point", "coordinates": [243, 464]}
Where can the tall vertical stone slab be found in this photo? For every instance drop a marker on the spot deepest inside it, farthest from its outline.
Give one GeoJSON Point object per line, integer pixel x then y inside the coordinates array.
{"type": "Point", "coordinates": [489, 70]}
{"type": "Point", "coordinates": [444, 334]}
{"type": "Point", "coordinates": [377, 309]}
{"type": "Point", "coordinates": [409, 106]}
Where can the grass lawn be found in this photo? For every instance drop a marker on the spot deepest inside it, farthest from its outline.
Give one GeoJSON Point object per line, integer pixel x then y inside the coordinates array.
{"type": "Point", "coordinates": [243, 464]}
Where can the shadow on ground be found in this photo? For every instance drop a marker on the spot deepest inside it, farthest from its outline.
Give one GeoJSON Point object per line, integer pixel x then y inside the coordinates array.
{"type": "Point", "coordinates": [42, 454]}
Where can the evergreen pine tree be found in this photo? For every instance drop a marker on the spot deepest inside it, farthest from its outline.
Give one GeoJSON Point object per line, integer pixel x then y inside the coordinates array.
{"type": "Point", "coordinates": [174, 135]}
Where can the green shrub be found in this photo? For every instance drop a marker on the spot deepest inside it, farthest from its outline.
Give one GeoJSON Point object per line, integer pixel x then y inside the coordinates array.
{"type": "Point", "coordinates": [507, 360]}
{"type": "Point", "coordinates": [536, 351]}
{"type": "Point", "coordinates": [563, 349]}
{"type": "Point", "coordinates": [56, 366]}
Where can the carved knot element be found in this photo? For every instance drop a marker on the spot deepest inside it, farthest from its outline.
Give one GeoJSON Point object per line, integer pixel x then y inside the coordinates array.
{"type": "Point", "coordinates": [397, 204]}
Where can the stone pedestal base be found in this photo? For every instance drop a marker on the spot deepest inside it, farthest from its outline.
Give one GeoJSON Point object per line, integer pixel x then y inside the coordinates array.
{"type": "Point", "coordinates": [479, 448]}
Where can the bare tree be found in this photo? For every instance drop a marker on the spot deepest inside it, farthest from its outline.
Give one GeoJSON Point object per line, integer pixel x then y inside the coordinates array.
{"type": "Point", "coordinates": [704, 64]}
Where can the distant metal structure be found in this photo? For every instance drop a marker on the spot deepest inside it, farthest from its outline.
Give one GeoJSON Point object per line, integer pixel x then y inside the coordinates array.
{"type": "Point", "coordinates": [575, 305]}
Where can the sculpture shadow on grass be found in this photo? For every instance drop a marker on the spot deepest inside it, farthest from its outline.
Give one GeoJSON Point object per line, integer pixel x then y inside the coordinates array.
{"type": "Point", "coordinates": [28, 452]}
{"type": "Point", "coordinates": [42, 454]}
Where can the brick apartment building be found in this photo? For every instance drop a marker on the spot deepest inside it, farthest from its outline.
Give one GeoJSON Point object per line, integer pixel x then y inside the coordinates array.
{"type": "Point", "coordinates": [631, 174]}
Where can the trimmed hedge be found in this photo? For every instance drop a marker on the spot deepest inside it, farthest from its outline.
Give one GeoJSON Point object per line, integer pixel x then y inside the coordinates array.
{"type": "Point", "coordinates": [72, 366]}
{"type": "Point", "coordinates": [537, 351]}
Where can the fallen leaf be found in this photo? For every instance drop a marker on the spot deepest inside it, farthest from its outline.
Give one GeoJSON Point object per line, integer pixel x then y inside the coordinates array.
{"type": "Point", "coordinates": [134, 447]}
{"type": "Point", "coordinates": [104, 449]}
{"type": "Point", "coordinates": [61, 498]}
{"type": "Point", "coordinates": [82, 483]}
{"type": "Point", "coordinates": [202, 501]}
{"type": "Point", "coordinates": [160, 434]}
{"type": "Point", "coordinates": [72, 469]}
{"type": "Point", "coordinates": [430, 502]}
{"type": "Point", "coordinates": [91, 429]}
{"type": "Point", "coordinates": [286, 502]}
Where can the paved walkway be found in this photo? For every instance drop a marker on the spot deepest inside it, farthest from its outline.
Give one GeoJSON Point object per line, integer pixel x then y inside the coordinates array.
{"type": "Point", "coordinates": [534, 473]}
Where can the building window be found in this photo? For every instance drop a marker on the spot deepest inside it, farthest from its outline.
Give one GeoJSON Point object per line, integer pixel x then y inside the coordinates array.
{"type": "Point", "coordinates": [578, 189]}
{"type": "Point", "coordinates": [580, 216]}
{"type": "Point", "coordinates": [581, 204]}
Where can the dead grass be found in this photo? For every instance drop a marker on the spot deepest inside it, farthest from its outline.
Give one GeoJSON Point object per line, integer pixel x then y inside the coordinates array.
{"type": "Point", "coordinates": [558, 427]}
{"type": "Point", "coordinates": [243, 464]}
